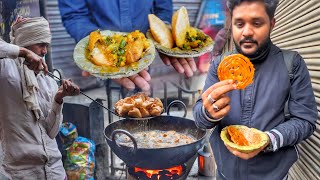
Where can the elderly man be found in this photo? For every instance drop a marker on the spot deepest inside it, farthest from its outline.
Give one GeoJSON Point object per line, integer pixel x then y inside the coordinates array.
{"type": "Point", "coordinates": [30, 108]}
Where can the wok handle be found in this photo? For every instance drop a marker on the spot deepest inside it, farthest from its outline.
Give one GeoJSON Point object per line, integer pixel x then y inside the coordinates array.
{"type": "Point", "coordinates": [118, 131]}
{"type": "Point", "coordinates": [177, 102]}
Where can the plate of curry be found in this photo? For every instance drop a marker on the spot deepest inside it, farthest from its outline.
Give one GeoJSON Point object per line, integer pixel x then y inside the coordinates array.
{"type": "Point", "coordinates": [110, 55]}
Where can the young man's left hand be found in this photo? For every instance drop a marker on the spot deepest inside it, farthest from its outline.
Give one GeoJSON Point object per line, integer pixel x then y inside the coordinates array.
{"type": "Point", "coordinates": [246, 156]}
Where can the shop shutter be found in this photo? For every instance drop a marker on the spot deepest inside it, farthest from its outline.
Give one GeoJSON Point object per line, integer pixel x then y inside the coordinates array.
{"type": "Point", "coordinates": [298, 28]}
{"type": "Point", "coordinates": [62, 47]}
{"type": "Point", "coordinates": [192, 7]}
{"type": "Point", "coordinates": [63, 44]}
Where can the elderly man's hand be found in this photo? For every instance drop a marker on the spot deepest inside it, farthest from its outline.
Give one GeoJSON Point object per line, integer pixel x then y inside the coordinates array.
{"type": "Point", "coordinates": [247, 156]}
{"type": "Point", "coordinates": [33, 61]}
{"type": "Point", "coordinates": [181, 65]}
{"type": "Point", "coordinates": [67, 88]}
{"type": "Point", "coordinates": [20, 19]}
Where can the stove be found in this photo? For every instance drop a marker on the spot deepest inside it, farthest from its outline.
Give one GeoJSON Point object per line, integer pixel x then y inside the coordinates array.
{"type": "Point", "coordinates": [176, 172]}
{"type": "Point", "coordinates": [179, 172]}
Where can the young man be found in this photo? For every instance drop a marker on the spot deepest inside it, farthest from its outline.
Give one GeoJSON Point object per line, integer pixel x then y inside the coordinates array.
{"type": "Point", "coordinates": [80, 17]}
{"type": "Point", "coordinates": [31, 104]}
{"type": "Point", "coordinates": [261, 104]}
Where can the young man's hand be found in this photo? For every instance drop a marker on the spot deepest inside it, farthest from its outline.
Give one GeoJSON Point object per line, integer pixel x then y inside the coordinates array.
{"type": "Point", "coordinates": [247, 156]}
{"type": "Point", "coordinates": [215, 100]}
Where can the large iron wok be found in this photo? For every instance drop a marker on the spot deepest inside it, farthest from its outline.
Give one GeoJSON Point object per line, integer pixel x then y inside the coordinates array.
{"type": "Point", "coordinates": [156, 158]}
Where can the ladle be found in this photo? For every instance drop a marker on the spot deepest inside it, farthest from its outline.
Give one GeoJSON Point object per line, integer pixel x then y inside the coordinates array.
{"type": "Point", "coordinates": [113, 112]}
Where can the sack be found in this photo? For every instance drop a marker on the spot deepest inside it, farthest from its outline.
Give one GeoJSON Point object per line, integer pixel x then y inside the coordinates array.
{"type": "Point", "coordinates": [80, 160]}
{"type": "Point", "coordinates": [68, 134]}
{"type": "Point", "coordinates": [78, 153]}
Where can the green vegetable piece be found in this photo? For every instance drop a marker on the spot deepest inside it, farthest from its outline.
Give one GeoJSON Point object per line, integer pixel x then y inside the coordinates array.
{"type": "Point", "coordinates": [122, 43]}
{"type": "Point", "coordinates": [119, 61]}
{"type": "Point", "coordinates": [108, 40]}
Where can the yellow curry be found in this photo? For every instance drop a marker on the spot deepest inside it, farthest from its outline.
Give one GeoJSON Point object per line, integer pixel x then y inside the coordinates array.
{"type": "Point", "coordinates": [117, 50]}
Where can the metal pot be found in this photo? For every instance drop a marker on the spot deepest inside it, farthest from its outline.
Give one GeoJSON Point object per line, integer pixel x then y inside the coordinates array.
{"type": "Point", "coordinates": [156, 158]}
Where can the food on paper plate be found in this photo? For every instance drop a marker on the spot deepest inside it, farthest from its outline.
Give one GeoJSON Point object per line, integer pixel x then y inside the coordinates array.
{"type": "Point", "coordinates": [180, 26]}
{"type": "Point", "coordinates": [237, 137]}
{"type": "Point", "coordinates": [139, 106]}
{"type": "Point", "coordinates": [236, 67]}
{"type": "Point", "coordinates": [243, 139]}
{"type": "Point", "coordinates": [160, 31]}
{"type": "Point", "coordinates": [181, 40]}
{"type": "Point", "coordinates": [118, 50]}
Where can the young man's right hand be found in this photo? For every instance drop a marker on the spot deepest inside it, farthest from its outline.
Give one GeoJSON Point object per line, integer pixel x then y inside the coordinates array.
{"type": "Point", "coordinates": [215, 100]}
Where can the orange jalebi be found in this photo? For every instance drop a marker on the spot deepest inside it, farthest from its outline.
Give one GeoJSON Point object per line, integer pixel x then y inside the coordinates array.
{"type": "Point", "coordinates": [236, 67]}
{"type": "Point", "coordinates": [237, 137]}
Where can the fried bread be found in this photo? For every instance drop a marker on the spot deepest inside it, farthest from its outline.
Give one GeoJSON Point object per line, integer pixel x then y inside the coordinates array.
{"type": "Point", "coordinates": [180, 26]}
{"type": "Point", "coordinates": [160, 31]}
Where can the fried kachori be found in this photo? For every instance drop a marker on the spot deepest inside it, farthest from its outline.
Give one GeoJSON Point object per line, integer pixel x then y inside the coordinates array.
{"type": "Point", "coordinates": [160, 31]}
{"type": "Point", "coordinates": [139, 106]}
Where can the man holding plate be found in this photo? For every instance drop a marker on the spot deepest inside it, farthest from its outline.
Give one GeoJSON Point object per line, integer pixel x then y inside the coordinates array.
{"type": "Point", "coordinates": [82, 17]}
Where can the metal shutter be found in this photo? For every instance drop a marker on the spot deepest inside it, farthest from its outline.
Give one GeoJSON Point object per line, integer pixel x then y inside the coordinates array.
{"type": "Point", "coordinates": [191, 5]}
{"type": "Point", "coordinates": [63, 44]}
{"type": "Point", "coordinates": [62, 48]}
{"type": "Point", "coordinates": [298, 28]}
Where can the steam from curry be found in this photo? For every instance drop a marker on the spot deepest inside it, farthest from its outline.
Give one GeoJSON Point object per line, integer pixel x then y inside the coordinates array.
{"type": "Point", "coordinates": [156, 139]}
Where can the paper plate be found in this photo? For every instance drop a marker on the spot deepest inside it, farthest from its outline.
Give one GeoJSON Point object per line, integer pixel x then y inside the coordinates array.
{"type": "Point", "coordinates": [254, 144]}
{"type": "Point", "coordinates": [176, 52]}
{"type": "Point", "coordinates": [106, 72]}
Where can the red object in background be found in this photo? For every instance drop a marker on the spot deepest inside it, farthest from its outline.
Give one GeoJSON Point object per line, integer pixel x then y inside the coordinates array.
{"type": "Point", "coordinates": [204, 60]}
{"type": "Point", "coordinates": [211, 31]}
{"type": "Point", "coordinates": [204, 63]}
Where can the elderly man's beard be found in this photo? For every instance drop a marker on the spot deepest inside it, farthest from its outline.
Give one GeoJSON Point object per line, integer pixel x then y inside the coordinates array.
{"type": "Point", "coordinates": [262, 51]}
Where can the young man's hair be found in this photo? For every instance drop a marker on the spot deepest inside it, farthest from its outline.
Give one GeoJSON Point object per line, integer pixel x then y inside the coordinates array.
{"type": "Point", "coordinates": [270, 5]}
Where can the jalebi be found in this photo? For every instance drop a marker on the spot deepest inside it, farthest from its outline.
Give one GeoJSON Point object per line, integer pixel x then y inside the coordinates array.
{"type": "Point", "coordinates": [236, 67]}
{"type": "Point", "coordinates": [237, 137]}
